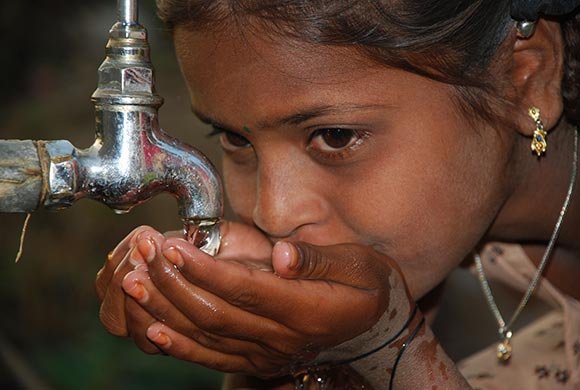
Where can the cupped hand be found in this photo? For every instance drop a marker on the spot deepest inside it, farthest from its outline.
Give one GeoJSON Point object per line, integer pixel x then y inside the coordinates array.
{"type": "Point", "coordinates": [122, 315]}
{"type": "Point", "coordinates": [122, 260]}
{"type": "Point", "coordinates": [233, 314]}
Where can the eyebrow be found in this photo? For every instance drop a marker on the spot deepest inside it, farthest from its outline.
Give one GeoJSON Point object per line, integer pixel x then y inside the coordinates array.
{"type": "Point", "coordinates": [318, 111]}
{"type": "Point", "coordinates": [298, 117]}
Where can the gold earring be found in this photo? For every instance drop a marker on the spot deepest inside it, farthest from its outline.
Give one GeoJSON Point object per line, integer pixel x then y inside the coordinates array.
{"type": "Point", "coordinates": [539, 143]}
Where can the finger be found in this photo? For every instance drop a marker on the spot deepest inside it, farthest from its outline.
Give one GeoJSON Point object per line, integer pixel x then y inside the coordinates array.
{"type": "Point", "coordinates": [112, 312]}
{"type": "Point", "coordinates": [151, 302]}
{"type": "Point", "coordinates": [350, 264]}
{"type": "Point", "coordinates": [144, 307]}
{"type": "Point", "coordinates": [104, 275]}
{"type": "Point", "coordinates": [184, 348]}
{"type": "Point", "coordinates": [139, 286]}
{"type": "Point", "coordinates": [264, 294]}
{"type": "Point", "coordinates": [114, 258]}
{"type": "Point", "coordinates": [175, 233]}
{"type": "Point", "coordinates": [214, 315]}
{"type": "Point", "coordinates": [138, 320]}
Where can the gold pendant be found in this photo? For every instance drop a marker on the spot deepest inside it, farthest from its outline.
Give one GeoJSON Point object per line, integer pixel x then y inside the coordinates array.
{"type": "Point", "coordinates": [504, 351]}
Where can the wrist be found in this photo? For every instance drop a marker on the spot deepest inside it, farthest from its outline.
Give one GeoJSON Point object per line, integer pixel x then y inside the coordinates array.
{"type": "Point", "coordinates": [381, 367]}
{"type": "Point", "coordinates": [396, 317]}
{"type": "Point", "coordinates": [372, 354]}
{"type": "Point", "coordinates": [424, 364]}
{"type": "Point", "coordinates": [375, 365]}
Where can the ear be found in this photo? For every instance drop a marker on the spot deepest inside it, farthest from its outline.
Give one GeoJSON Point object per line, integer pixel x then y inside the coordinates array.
{"type": "Point", "coordinates": [537, 76]}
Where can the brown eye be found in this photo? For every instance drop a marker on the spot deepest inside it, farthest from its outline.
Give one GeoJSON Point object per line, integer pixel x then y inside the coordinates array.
{"type": "Point", "coordinates": [235, 140]}
{"type": "Point", "coordinates": [229, 140]}
{"type": "Point", "coordinates": [333, 139]}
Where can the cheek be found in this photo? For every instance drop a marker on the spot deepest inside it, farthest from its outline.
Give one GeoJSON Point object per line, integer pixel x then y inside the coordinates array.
{"type": "Point", "coordinates": [426, 200]}
{"type": "Point", "coordinates": [426, 222]}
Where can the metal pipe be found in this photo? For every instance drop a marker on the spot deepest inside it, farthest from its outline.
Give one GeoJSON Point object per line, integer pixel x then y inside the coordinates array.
{"type": "Point", "coordinates": [128, 11]}
{"type": "Point", "coordinates": [131, 160]}
{"type": "Point", "coordinates": [20, 176]}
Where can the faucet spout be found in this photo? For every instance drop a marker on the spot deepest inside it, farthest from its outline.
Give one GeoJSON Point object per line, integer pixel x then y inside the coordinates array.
{"type": "Point", "coordinates": [192, 179]}
{"type": "Point", "coordinates": [142, 162]}
{"type": "Point", "coordinates": [132, 159]}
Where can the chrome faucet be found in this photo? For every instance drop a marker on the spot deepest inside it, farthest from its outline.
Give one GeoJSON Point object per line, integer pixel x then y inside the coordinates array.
{"type": "Point", "coordinates": [131, 160]}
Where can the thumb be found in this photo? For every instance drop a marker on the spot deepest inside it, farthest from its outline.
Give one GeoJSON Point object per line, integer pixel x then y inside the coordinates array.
{"type": "Point", "coordinates": [345, 263]}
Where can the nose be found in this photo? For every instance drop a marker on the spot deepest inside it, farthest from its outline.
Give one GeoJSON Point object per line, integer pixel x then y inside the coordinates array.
{"type": "Point", "coordinates": [288, 200]}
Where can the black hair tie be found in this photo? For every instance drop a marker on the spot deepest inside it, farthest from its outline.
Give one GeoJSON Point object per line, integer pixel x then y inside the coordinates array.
{"type": "Point", "coordinates": [532, 9]}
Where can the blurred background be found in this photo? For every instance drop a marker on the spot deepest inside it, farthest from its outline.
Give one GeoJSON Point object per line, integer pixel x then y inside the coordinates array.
{"type": "Point", "coordinates": [50, 335]}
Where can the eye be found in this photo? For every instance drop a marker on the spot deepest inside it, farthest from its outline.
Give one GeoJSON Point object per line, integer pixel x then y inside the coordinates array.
{"type": "Point", "coordinates": [229, 140]}
{"type": "Point", "coordinates": [235, 140]}
{"type": "Point", "coordinates": [332, 140]}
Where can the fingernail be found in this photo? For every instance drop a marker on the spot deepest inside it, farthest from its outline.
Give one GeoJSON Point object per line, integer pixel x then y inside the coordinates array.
{"type": "Point", "coordinates": [110, 256]}
{"type": "Point", "coordinates": [136, 238]}
{"type": "Point", "coordinates": [138, 291]}
{"type": "Point", "coordinates": [158, 338]}
{"type": "Point", "coordinates": [142, 267]}
{"type": "Point", "coordinates": [162, 339]}
{"type": "Point", "coordinates": [135, 257]}
{"type": "Point", "coordinates": [147, 249]}
{"type": "Point", "coordinates": [173, 255]}
{"type": "Point", "coordinates": [290, 254]}
{"type": "Point", "coordinates": [144, 234]}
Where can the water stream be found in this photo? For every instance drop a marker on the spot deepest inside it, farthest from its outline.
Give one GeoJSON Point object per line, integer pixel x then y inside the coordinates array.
{"type": "Point", "coordinates": [204, 234]}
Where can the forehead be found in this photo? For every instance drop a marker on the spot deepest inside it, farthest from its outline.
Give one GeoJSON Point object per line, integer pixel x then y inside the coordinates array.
{"type": "Point", "coordinates": [251, 66]}
{"type": "Point", "coordinates": [248, 75]}
{"type": "Point", "coordinates": [256, 52]}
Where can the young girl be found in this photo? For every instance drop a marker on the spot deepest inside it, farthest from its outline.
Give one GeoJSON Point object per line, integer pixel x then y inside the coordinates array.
{"type": "Point", "coordinates": [370, 147]}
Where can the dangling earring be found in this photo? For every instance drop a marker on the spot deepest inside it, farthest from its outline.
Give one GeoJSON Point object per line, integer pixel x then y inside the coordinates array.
{"type": "Point", "coordinates": [539, 143]}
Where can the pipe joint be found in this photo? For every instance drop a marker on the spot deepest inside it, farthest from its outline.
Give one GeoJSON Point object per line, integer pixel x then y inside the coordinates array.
{"type": "Point", "coordinates": [60, 175]}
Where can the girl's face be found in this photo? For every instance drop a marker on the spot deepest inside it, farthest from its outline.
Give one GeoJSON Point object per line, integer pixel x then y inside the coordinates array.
{"type": "Point", "coordinates": [325, 146]}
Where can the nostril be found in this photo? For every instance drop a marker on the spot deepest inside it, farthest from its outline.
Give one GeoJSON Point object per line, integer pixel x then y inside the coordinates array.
{"type": "Point", "coordinates": [272, 227]}
{"type": "Point", "coordinates": [277, 231]}
{"type": "Point", "coordinates": [285, 217]}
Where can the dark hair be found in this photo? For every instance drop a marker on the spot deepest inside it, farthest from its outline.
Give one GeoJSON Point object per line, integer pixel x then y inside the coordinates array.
{"type": "Point", "coordinates": [571, 79]}
{"type": "Point", "coordinates": [452, 41]}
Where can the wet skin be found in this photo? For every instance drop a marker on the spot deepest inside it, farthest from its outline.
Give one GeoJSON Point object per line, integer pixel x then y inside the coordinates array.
{"type": "Point", "coordinates": [339, 150]}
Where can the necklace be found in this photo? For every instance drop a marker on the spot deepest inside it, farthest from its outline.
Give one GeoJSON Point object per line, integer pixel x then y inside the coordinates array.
{"type": "Point", "coordinates": [504, 349]}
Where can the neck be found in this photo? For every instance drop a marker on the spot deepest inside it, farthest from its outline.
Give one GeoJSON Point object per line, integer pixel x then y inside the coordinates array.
{"type": "Point", "coordinates": [531, 211]}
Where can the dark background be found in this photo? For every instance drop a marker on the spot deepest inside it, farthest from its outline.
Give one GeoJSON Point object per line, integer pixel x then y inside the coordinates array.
{"type": "Point", "coordinates": [50, 335]}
